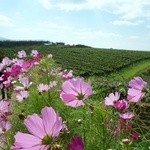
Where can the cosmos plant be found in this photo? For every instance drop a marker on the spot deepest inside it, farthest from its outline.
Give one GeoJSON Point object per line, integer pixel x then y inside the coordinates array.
{"type": "Point", "coordinates": [43, 131]}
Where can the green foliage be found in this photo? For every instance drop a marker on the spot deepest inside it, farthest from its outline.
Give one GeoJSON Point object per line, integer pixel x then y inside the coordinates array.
{"type": "Point", "coordinates": [92, 122]}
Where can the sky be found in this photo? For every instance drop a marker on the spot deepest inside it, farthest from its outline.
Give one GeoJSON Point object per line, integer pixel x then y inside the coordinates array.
{"type": "Point", "coordinates": [121, 24]}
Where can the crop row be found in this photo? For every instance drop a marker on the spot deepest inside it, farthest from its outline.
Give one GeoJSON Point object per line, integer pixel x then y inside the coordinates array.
{"type": "Point", "coordinates": [88, 61]}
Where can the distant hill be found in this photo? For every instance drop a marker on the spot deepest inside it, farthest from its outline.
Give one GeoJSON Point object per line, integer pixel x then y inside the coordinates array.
{"type": "Point", "coordinates": [3, 39]}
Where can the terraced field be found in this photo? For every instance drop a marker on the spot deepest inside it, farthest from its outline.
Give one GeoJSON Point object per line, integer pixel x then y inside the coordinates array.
{"type": "Point", "coordinates": [87, 61]}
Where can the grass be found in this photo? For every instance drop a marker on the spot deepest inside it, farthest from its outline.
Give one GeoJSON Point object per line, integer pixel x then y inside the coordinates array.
{"type": "Point", "coordinates": [131, 71]}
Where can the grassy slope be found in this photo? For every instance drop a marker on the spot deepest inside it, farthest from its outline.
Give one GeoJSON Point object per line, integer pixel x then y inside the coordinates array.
{"type": "Point", "coordinates": [131, 71]}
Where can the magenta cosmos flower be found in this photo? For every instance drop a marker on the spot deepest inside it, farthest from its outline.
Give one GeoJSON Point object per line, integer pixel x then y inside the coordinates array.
{"type": "Point", "coordinates": [43, 131]}
{"type": "Point", "coordinates": [111, 99]}
{"type": "Point", "coordinates": [136, 91]}
{"type": "Point", "coordinates": [75, 91]}
{"type": "Point", "coordinates": [76, 143]}
{"type": "Point", "coordinates": [121, 105]}
{"type": "Point", "coordinates": [15, 70]}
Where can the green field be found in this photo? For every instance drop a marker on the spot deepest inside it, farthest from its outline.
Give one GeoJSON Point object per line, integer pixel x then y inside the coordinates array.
{"type": "Point", "coordinates": [87, 61]}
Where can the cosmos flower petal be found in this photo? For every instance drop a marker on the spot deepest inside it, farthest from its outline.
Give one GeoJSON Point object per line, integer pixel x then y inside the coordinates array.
{"type": "Point", "coordinates": [137, 83]}
{"type": "Point", "coordinates": [49, 118]}
{"type": "Point", "coordinates": [26, 140]}
{"type": "Point", "coordinates": [67, 87]}
{"type": "Point", "coordinates": [135, 95]}
{"type": "Point", "coordinates": [35, 126]}
{"type": "Point", "coordinates": [75, 103]}
{"type": "Point", "coordinates": [67, 97]}
{"type": "Point", "coordinates": [57, 127]}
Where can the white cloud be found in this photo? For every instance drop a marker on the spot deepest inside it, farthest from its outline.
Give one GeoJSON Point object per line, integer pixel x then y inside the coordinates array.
{"type": "Point", "coordinates": [133, 9]}
{"type": "Point", "coordinates": [83, 5]}
{"type": "Point", "coordinates": [127, 22]}
{"type": "Point", "coordinates": [45, 3]}
{"type": "Point", "coordinates": [5, 21]}
{"type": "Point", "coordinates": [127, 9]}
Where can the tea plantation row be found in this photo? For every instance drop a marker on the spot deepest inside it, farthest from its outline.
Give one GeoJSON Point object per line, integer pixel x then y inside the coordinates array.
{"type": "Point", "coordinates": [86, 61]}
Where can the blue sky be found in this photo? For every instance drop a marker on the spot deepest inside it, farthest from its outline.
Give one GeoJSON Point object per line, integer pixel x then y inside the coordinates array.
{"type": "Point", "coordinates": [122, 24]}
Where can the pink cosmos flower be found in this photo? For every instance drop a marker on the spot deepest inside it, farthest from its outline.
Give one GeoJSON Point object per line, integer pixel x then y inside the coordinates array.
{"type": "Point", "coordinates": [121, 105]}
{"type": "Point", "coordinates": [22, 95]}
{"type": "Point", "coordinates": [111, 99]}
{"type": "Point", "coordinates": [22, 54]}
{"type": "Point", "coordinates": [1, 66]}
{"type": "Point", "coordinates": [76, 143]}
{"type": "Point", "coordinates": [7, 83]}
{"type": "Point", "coordinates": [6, 61]}
{"type": "Point", "coordinates": [67, 75]}
{"type": "Point", "coordinates": [44, 130]}
{"type": "Point", "coordinates": [43, 87]}
{"type": "Point", "coordinates": [64, 127]}
{"type": "Point", "coordinates": [18, 89]}
{"type": "Point", "coordinates": [4, 126]}
{"type": "Point", "coordinates": [34, 53]}
{"type": "Point", "coordinates": [25, 82]}
{"type": "Point", "coordinates": [37, 57]}
{"type": "Point", "coordinates": [4, 106]}
{"type": "Point", "coordinates": [15, 70]}
{"type": "Point", "coordinates": [136, 90]}
{"type": "Point", "coordinates": [75, 91]}
{"type": "Point", "coordinates": [27, 64]}
{"type": "Point", "coordinates": [127, 115]}
{"type": "Point", "coordinates": [4, 109]}
{"type": "Point", "coordinates": [52, 84]}
{"type": "Point", "coordinates": [18, 62]}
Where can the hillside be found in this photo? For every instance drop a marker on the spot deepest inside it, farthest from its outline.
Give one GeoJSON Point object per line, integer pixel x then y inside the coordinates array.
{"type": "Point", "coordinates": [86, 61]}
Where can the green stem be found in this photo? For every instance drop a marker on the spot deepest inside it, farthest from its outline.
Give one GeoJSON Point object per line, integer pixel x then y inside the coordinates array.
{"type": "Point", "coordinates": [84, 123]}
{"type": "Point", "coordinates": [48, 82]}
{"type": "Point", "coordinates": [2, 148]}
